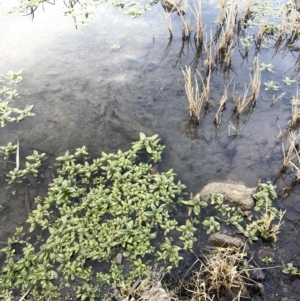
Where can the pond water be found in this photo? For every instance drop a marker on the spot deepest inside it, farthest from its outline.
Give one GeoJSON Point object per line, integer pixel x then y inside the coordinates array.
{"type": "Point", "coordinates": [85, 92]}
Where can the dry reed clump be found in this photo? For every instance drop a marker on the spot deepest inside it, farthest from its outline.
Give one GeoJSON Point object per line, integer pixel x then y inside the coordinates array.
{"type": "Point", "coordinates": [168, 20]}
{"type": "Point", "coordinates": [209, 62]}
{"type": "Point", "coordinates": [220, 275]}
{"type": "Point", "coordinates": [288, 155]}
{"type": "Point", "coordinates": [195, 98]}
{"type": "Point", "coordinates": [261, 32]}
{"type": "Point", "coordinates": [222, 105]}
{"type": "Point", "coordinates": [206, 89]}
{"type": "Point", "coordinates": [187, 29]}
{"type": "Point", "coordinates": [197, 12]}
{"type": "Point", "coordinates": [255, 82]}
{"type": "Point", "coordinates": [240, 102]}
{"type": "Point", "coordinates": [295, 115]}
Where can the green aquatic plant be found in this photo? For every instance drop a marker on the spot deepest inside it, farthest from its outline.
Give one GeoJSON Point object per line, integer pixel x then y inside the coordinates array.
{"type": "Point", "coordinates": [267, 260]}
{"type": "Point", "coordinates": [111, 211]}
{"type": "Point", "coordinates": [272, 85]}
{"type": "Point", "coordinates": [288, 81]}
{"type": "Point", "coordinates": [7, 94]}
{"type": "Point", "coordinates": [290, 269]}
{"type": "Point", "coordinates": [194, 204]}
{"type": "Point", "coordinates": [8, 150]}
{"type": "Point", "coordinates": [267, 67]}
{"type": "Point", "coordinates": [271, 29]}
{"type": "Point", "coordinates": [211, 224]}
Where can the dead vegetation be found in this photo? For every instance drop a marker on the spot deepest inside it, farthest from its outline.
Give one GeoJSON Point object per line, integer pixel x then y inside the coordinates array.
{"type": "Point", "coordinates": [219, 275]}
{"type": "Point", "coordinates": [241, 101]}
{"type": "Point", "coordinates": [255, 81]}
{"type": "Point", "coordinates": [195, 98]}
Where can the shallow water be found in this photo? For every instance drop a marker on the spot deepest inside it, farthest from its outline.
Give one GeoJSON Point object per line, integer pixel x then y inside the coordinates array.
{"type": "Point", "coordinates": [86, 93]}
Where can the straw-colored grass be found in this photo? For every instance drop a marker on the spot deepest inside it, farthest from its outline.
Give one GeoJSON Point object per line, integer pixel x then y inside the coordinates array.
{"type": "Point", "coordinates": [206, 89]}
{"type": "Point", "coordinates": [222, 275]}
{"type": "Point", "coordinates": [210, 60]}
{"type": "Point", "coordinates": [288, 155]}
{"type": "Point", "coordinates": [255, 81]}
{"type": "Point", "coordinates": [240, 102]}
{"type": "Point", "coordinates": [168, 21]}
{"type": "Point", "coordinates": [295, 115]}
{"type": "Point", "coordinates": [195, 98]}
{"type": "Point", "coordinates": [197, 12]}
{"type": "Point", "coordinates": [222, 105]}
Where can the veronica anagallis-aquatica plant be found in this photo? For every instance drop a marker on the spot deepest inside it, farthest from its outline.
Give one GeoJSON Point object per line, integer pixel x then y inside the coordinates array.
{"type": "Point", "coordinates": [97, 210]}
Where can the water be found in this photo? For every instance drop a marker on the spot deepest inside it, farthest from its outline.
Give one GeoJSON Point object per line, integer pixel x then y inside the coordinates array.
{"type": "Point", "coordinates": [86, 93]}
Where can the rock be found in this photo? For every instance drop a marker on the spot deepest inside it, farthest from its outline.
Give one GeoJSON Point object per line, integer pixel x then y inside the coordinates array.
{"type": "Point", "coordinates": [235, 193]}
{"type": "Point", "coordinates": [260, 288]}
{"type": "Point", "coordinates": [287, 299]}
{"type": "Point", "coordinates": [224, 240]}
{"type": "Point", "coordinates": [257, 274]}
{"type": "Point", "coordinates": [156, 293]}
{"type": "Point", "coordinates": [119, 258]}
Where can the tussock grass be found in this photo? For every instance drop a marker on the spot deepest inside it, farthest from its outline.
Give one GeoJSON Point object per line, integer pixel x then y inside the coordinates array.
{"type": "Point", "coordinates": [206, 89]}
{"type": "Point", "coordinates": [222, 105]}
{"type": "Point", "coordinates": [288, 155]}
{"type": "Point", "coordinates": [240, 102]}
{"type": "Point", "coordinates": [197, 12]}
{"type": "Point", "coordinates": [195, 98]}
{"type": "Point", "coordinates": [295, 115]}
{"type": "Point", "coordinates": [186, 27]}
{"type": "Point", "coordinates": [168, 21]}
{"type": "Point", "coordinates": [222, 274]}
{"type": "Point", "coordinates": [210, 61]}
{"type": "Point", "coordinates": [255, 81]}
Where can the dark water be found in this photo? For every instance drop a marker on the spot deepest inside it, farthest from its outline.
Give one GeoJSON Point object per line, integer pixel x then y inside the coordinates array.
{"type": "Point", "coordinates": [86, 93]}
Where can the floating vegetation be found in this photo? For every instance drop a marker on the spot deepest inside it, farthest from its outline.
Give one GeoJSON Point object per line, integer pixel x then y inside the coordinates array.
{"type": "Point", "coordinates": [111, 212]}
{"type": "Point", "coordinates": [267, 67]}
{"type": "Point", "coordinates": [7, 94]}
{"type": "Point", "coordinates": [272, 85]}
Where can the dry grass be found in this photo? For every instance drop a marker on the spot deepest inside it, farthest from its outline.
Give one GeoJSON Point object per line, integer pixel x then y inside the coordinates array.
{"type": "Point", "coordinates": [255, 81]}
{"type": "Point", "coordinates": [240, 102]}
{"type": "Point", "coordinates": [288, 155]}
{"type": "Point", "coordinates": [195, 98]}
{"type": "Point", "coordinates": [197, 12]}
{"type": "Point", "coordinates": [210, 61]}
{"type": "Point", "coordinates": [206, 89]}
{"type": "Point", "coordinates": [145, 290]}
{"type": "Point", "coordinates": [222, 12]}
{"type": "Point", "coordinates": [260, 34]}
{"type": "Point", "coordinates": [222, 105]}
{"type": "Point", "coordinates": [186, 27]}
{"type": "Point", "coordinates": [227, 37]}
{"type": "Point", "coordinates": [168, 20]}
{"type": "Point", "coordinates": [222, 275]}
{"type": "Point", "coordinates": [295, 115]}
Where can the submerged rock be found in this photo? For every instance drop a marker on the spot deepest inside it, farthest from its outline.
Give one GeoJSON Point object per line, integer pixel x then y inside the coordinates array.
{"type": "Point", "coordinates": [224, 240]}
{"type": "Point", "coordinates": [257, 274]}
{"type": "Point", "coordinates": [235, 193]}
